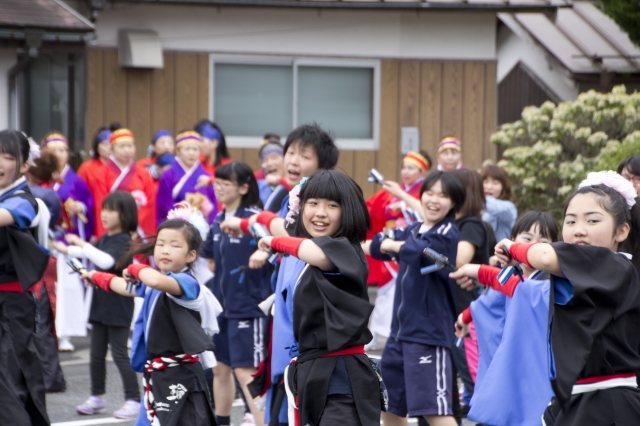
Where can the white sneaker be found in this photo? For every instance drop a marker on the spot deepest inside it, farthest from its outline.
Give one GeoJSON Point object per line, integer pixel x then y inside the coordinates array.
{"type": "Point", "coordinates": [65, 345]}
{"type": "Point", "coordinates": [248, 420]}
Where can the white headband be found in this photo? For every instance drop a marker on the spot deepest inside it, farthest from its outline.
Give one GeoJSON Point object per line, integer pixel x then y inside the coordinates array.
{"type": "Point", "coordinates": [614, 181]}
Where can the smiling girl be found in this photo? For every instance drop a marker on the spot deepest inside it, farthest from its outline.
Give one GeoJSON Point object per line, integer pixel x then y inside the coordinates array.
{"type": "Point", "coordinates": [174, 327]}
{"type": "Point", "coordinates": [591, 328]}
{"type": "Point", "coordinates": [332, 380]}
{"type": "Point", "coordinates": [416, 362]}
{"type": "Point", "coordinates": [181, 179]}
{"type": "Point", "coordinates": [22, 264]}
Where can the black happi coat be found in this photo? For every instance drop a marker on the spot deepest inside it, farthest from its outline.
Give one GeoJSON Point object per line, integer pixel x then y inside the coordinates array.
{"type": "Point", "coordinates": [176, 330]}
{"type": "Point", "coordinates": [330, 313]}
{"type": "Point", "coordinates": [595, 333]}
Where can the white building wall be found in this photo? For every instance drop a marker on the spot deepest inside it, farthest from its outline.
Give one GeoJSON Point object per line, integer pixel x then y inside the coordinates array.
{"type": "Point", "coordinates": [307, 32]}
{"type": "Point", "coordinates": [7, 60]}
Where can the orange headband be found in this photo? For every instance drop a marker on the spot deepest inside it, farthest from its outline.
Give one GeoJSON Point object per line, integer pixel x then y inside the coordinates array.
{"type": "Point", "coordinates": [55, 139]}
{"type": "Point", "coordinates": [121, 135]}
{"type": "Point", "coordinates": [188, 138]}
{"type": "Point", "coordinates": [417, 160]}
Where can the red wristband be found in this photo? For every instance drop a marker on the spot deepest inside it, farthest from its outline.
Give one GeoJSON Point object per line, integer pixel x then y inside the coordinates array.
{"type": "Point", "coordinates": [288, 245]}
{"type": "Point", "coordinates": [283, 182]}
{"type": "Point", "coordinates": [134, 269]}
{"type": "Point", "coordinates": [519, 252]}
{"type": "Point", "coordinates": [244, 226]}
{"type": "Point", "coordinates": [265, 218]}
{"type": "Point", "coordinates": [488, 275]}
{"type": "Point", "coordinates": [466, 315]}
{"type": "Point", "coordinates": [102, 280]}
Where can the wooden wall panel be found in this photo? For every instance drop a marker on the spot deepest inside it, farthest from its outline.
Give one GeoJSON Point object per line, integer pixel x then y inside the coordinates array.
{"type": "Point", "coordinates": [388, 151]}
{"type": "Point", "coordinates": [490, 108]}
{"type": "Point", "coordinates": [162, 96]}
{"type": "Point", "coordinates": [345, 161]}
{"type": "Point", "coordinates": [185, 86]}
{"type": "Point", "coordinates": [203, 86]}
{"type": "Point", "coordinates": [95, 101]}
{"type": "Point", "coordinates": [451, 107]}
{"type": "Point", "coordinates": [440, 97]}
{"type": "Point", "coordinates": [114, 89]}
{"type": "Point", "coordinates": [363, 161]}
{"type": "Point", "coordinates": [139, 108]}
{"type": "Point", "coordinates": [473, 114]}
{"type": "Point", "coordinates": [430, 106]}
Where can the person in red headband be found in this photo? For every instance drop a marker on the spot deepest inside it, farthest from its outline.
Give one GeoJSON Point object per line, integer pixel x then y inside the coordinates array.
{"type": "Point", "coordinates": [386, 209]}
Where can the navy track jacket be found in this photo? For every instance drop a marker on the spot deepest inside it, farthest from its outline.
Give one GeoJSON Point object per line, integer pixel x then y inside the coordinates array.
{"type": "Point", "coordinates": [424, 308]}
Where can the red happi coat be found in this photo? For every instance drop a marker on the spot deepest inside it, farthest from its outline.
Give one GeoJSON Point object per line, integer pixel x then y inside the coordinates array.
{"type": "Point", "coordinates": [89, 171]}
{"type": "Point", "coordinates": [138, 182]}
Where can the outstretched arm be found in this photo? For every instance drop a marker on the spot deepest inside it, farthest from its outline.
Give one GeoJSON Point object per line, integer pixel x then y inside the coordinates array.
{"type": "Point", "coordinates": [540, 256]}
{"type": "Point", "coordinates": [305, 250]}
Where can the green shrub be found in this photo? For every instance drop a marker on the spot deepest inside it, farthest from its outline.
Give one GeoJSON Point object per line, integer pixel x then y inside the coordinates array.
{"type": "Point", "coordinates": [552, 148]}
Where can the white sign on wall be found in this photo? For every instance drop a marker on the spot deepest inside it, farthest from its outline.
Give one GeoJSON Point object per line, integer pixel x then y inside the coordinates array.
{"type": "Point", "coordinates": [410, 139]}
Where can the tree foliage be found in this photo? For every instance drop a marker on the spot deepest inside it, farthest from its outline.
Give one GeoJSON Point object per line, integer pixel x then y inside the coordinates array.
{"type": "Point", "coordinates": [626, 13]}
{"type": "Point", "coordinates": [552, 147]}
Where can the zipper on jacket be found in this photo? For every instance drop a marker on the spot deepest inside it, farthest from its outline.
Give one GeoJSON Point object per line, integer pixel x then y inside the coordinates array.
{"type": "Point", "coordinates": [401, 300]}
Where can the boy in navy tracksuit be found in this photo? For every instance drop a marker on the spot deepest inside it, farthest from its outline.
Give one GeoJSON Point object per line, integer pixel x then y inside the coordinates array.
{"type": "Point", "coordinates": [416, 362]}
{"type": "Point", "coordinates": [240, 285]}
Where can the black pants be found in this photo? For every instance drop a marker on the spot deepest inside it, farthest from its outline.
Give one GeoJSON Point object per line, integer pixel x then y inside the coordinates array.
{"type": "Point", "coordinates": [339, 409]}
{"type": "Point", "coordinates": [47, 347]}
{"type": "Point", "coordinates": [101, 336]}
{"type": "Point", "coordinates": [196, 411]}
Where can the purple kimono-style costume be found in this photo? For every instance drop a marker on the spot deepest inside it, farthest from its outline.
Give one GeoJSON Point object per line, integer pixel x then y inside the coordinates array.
{"type": "Point", "coordinates": [174, 185]}
{"type": "Point", "coordinates": [72, 186]}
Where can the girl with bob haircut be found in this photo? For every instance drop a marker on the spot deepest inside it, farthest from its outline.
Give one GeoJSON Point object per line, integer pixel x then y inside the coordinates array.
{"type": "Point", "coordinates": [500, 212]}
{"type": "Point", "coordinates": [582, 325]}
{"type": "Point", "coordinates": [422, 305]}
{"type": "Point", "coordinates": [110, 313]}
{"type": "Point", "coordinates": [22, 264]}
{"type": "Point", "coordinates": [214, 146]}
{"type": "Point", "coordinates": [172, 336]}
{"type": "Point", "coordinates": [331, 380]}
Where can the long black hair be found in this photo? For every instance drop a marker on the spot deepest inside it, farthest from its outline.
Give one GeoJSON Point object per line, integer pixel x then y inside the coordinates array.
{"type": "Point", "coordinates": [336, 186]}
{"type": "Point", "coordinates": [97, 139]}
{"type": "Point", "coordinates": [221, 150]}
{"type": "Point", "coordinates": [15, 144]}
{"type": "Point", "coordinates": [190, 232]}
{"type": "Point", "coordinates": [240, 173]}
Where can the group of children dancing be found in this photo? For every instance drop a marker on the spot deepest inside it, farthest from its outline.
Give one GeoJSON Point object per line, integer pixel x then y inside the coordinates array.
{"type": "Point", "coordinates": [540, 331]}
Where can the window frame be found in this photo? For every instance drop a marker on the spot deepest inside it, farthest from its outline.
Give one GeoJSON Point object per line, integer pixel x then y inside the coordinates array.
{"type": "Point", "coordinates": [295, 62]}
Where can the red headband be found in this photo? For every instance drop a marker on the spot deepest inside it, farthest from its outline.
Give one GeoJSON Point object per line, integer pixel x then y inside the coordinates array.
{"type": "Point", "coordinates": [417, 160]}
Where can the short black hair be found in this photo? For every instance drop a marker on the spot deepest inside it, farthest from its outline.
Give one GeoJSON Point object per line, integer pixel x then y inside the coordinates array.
{"type": "Point", "coordinates": [323, 145]}
{"type": "Point", "coordinates": [451, 187]}
{"type": "Point", "coordinates": [15, 144]}
{"type": "Point", "coordinates": [547, 226]}
{"type": "Point", "coordinates": [241, 173]}
{"type": "Point", "coordinates": [631, 163]}
{"type": "Point", "coordinates": [123, 203]}
{"type": "Point", "coordinates": [338, 187]}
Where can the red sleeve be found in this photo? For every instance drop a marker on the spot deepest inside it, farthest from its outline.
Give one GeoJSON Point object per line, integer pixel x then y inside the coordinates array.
{"type": "Point", "coordinates": [466, 316]}
{"type": "Point", "coordinates": [147, 213]}
{"type": "Point", "coordinates": [100, 189]}
{"type": "Point", "coordinates": [488, 275]}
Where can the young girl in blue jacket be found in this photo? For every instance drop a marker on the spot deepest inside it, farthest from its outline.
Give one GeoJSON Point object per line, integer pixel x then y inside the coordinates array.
{"type": "Point", "coordinates": [416, 362]}
{"type": "Point", "coordinates": [240, 283]}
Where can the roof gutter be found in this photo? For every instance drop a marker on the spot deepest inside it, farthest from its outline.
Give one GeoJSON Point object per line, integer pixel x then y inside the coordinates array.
{"type": "Point", "coordinates": [503, 7]}
{"type": "Point", "coordinates": [48, 36]}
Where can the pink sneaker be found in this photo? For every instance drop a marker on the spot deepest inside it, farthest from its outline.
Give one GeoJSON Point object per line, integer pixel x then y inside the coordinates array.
{"type": "Point", "coordinates": [129, 410]}
{"type": "Point", "coordinates": [93, 405]}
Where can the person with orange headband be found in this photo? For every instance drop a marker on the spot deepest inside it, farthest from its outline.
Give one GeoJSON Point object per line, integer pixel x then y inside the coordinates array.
{"type": "Point", "coordinates": [121, 173]}
{"type": "Point", "coordinates": [449, 154]}
{"type": "Point", "coordinates": [387, 209]}
{"type": "Point", "coordinates": [179, 181]}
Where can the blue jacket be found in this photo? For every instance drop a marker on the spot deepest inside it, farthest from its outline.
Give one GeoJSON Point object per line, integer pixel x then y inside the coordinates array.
{"type": "Point", "coordinates": [238, 288]}
{"type": "Point", "coordinates": [424, 308]}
